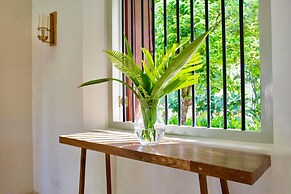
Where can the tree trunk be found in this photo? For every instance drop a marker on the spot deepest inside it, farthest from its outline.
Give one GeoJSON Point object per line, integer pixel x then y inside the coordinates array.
{"type": "Point", "coordinates": [186, 103]}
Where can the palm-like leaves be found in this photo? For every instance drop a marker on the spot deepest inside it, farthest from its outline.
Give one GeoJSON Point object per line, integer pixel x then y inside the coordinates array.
{"type": "Point", "coordinates": [172, 72]}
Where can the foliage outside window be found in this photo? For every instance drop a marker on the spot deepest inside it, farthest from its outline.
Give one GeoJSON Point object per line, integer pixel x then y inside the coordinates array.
{"type": "Point", "coordinates": [252, 63]}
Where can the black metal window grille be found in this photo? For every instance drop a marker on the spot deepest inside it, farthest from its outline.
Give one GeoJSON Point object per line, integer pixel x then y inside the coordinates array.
{"type": "Point", "coordinates": [156, 24]}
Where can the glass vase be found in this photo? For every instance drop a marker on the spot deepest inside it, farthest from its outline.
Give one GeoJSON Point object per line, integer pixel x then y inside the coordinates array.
{"type": "Point", "coordinates": [149, 126]}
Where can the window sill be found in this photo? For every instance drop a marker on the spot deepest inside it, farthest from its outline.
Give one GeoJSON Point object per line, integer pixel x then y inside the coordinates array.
{"type": "Point", "coordinates": [263, 137]}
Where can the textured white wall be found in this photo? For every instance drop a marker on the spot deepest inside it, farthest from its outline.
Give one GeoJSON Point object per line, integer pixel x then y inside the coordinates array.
{"type": "Point", "coordinates": [15, 97]}
{"type": "Point", "coordinates": [94, 97]}
{"type": "Point", "coordinates": [57, 103]}
{"type": "Point", "coordinates": [94, 62]}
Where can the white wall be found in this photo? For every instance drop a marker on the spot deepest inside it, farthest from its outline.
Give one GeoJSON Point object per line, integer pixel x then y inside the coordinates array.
{"type": "Point", "coordinates": [58, 107]}
{"type": "Point", "coordinates": [57, 103]}
{"type": "Point", "coordinates": [94, 97]}
{"type": "Point", "coordinates": [15, 97]}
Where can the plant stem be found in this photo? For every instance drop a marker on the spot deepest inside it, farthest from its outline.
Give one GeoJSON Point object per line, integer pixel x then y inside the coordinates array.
{"type": "Point", "coordinates": [149, 114]}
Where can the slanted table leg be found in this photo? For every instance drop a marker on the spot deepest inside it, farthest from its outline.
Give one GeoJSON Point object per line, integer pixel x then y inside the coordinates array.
{"type": "Point", "coordinates": [224, 186]}
{"type": "Point", "coordinates": [203, 184]}
{"type": "Point", "coordinates": [108, 173]}
{"type": "Point", "coordinates": [82, 171]}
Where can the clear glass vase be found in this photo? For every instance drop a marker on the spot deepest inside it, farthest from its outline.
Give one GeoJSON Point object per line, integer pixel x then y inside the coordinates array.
{"type": "Point", "coordinates": [149, 126]}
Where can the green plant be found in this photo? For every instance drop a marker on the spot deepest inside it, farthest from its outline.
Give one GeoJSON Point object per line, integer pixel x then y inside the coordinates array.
{"type": "Point", "coordinates": [172, 72]}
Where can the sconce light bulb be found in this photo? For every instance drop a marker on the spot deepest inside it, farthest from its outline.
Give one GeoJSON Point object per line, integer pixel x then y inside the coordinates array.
{"type": "Point", "coordinates": [47, 25]}
{"type": "Point", "coordinates": [43, 34]}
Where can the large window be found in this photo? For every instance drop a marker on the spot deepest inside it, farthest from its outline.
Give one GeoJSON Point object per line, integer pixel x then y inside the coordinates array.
{"type": "Point", "coordinates": [232, 93]}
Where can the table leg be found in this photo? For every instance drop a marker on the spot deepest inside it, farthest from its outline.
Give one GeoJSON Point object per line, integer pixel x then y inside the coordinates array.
{"type": "Point", "coordinates": [108, 173]}
{"type": "Point", "coordinates": [224, 186]}
{"type": "Point", "coordinates": [203, 184]}
{"type": "Point", "coordinates": [82, 171]}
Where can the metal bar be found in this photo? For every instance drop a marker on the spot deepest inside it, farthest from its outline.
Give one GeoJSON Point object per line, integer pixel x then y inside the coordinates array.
{"type": "Point", "coordinates": [153, 30]}
{"type": "Point", "coordinates": [108, 173]}
{"type": "Point", "coordinates": [207, 67]}
{"type": "Point", "coordinates": [193, 87]}
{"type": "Point", "coordinates": [142, 31]}
{"type": "Point", "coordinates": [123, 76]}
{"type": "Point", "coordinates": [178, 20]}
{"type": "Point", "coordinates": [192, 19]}
{"type": "Point", "coordinates": [165, 24]}
{"type": "Point", "coordinates": [82, 171]}
{"type": "Point", "coordinates": [132, 24]}
{"type": "Point", "coordinates": [165, 45]}
{"type": "Point", "coordinates": [178, 40]}
{"type": "Point", "coordinates": [224, 64]}
{"type": "Point", "coordinates": [242, 63]}
{"type": "Point", "coordinates": [132, 47]}
{"type": "Point", "coordinates": [166, 110]}
{"type": "Point", "coordinates": [142, 26]}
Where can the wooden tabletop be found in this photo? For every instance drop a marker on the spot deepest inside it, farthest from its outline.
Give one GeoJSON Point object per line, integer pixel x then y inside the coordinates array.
{"type": "Point", "coordinates": [243, 167]}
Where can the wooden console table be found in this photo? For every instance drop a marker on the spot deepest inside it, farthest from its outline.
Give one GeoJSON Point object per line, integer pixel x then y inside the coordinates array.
{"type": "Point", "coordinates": [242, 167]}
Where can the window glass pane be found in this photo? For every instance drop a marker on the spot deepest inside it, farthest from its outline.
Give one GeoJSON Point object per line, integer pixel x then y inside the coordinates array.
{"type": "Point", "coordinates": [233, 64]}
{"type": "Point", "coordinates": [233, 79]}
{"type": "Point", "coordinates": [167, 27]}
{"type": "Point", "coordinates": [252, 61]}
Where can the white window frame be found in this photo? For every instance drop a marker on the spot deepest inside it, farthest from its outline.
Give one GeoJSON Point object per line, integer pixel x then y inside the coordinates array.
{"type": "Point", "coordinates": [263, 136]}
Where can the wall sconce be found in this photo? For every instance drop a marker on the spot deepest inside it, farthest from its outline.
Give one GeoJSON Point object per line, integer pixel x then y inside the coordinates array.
{"type": "Point", "coordinates": [47, 28]}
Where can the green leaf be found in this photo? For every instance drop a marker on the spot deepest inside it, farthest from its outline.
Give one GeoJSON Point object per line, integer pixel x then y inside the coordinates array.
{"type": "Point", "coordinates": [102, 80]}
{"type": "Point", "coordinates": [179, 83]}
{"type": "Point", "coordinates": [169, 53]}
{"type": "Point", "coordinates": [149, 59]}
{"type": "Point", "coordinates": [148, 72]}
{"type": "Point", "coordinates": [126, 65]}
{"type": "Point", "coordinates": [167, 58]}
{"type": "Point", "coordinates": [190, 69]}
{"type": "Point", "coordinates": [197, 59]}
{"type": "Point", "coordinates": [172, 86]}
{"type": "Point", "coordinates": [128, 49]}
{"type": "Point", "coordinates": [177, 64]}
{"type": "Point", "coordinates": [190, 81]}
{"type": "Point", "coordinates": [148, 84]}
{"type": "Point", "coordinates": [164, 61]}
{"type": "Point", "coordinates": [187, 84]}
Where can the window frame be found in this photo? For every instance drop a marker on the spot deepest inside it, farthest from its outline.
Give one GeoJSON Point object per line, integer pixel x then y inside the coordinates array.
{"type": "Point", "coordinates": [264, 136]}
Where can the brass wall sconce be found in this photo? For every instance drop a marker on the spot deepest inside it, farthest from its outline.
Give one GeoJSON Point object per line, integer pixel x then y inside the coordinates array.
{"type": "Point", "coordinates": [47, 28]}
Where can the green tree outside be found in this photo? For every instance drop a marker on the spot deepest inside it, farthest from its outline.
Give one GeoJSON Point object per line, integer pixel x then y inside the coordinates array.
{"type": "Point", "coordinates": [252, 62]}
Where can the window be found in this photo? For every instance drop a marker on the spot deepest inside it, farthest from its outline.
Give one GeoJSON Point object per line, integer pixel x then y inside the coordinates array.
{"type": "Point", "coordinates": [234, 90]}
